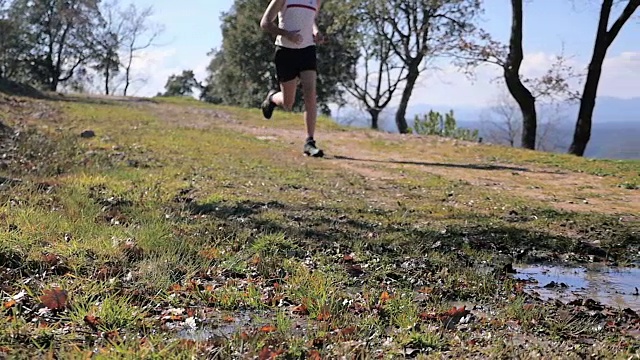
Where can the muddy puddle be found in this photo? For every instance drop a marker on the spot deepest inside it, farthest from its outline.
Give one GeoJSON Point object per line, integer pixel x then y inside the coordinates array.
{"type": "Point", "coordinates": [616, 287]}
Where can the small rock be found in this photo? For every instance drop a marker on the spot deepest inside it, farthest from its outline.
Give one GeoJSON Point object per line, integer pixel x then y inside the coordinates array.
{"type": "Point", "coordinates": [87, 134]}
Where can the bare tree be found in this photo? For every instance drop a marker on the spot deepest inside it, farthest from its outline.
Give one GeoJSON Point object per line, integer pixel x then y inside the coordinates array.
{"type": "Point", "coordinates": [605, 36]}
{"type": "Point", "coordinates": [138, 35]}
{"type": "Point", "coordinates": [502, 123]}
{"type": "Point", "coordinates": [378, 74]}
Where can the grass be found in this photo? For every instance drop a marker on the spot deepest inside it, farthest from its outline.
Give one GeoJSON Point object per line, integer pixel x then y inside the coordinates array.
{"type": "Point", "coordinates": [178, 217]}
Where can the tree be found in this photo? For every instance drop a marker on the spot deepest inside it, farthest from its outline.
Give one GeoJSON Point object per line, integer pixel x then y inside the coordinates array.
{"type": "Point", "coordinates": [60, 37]}
{"type": "Point", "coordinates": [419, 31]}
{"type": "Point", "coordinates": [555, 83]}
{"type": "Point", "coordinates": [604, 38]}
{"type": "Point", "coordinates": [378, 73]}
{"type": "Point", "coordinates": [242, 71]}
{"type": "Point", "coordinates": [108, 44]}
{"type": "Point", "coordinates": [502, 123]}
{"type": "Point", "coordinates": [522, 95]}
{"type": "Point", "coordinates": [138, 34]}
{"type": "Point", "coordinates": [181, 85]}
{"type": "Point", "coordinates": [13, 49]}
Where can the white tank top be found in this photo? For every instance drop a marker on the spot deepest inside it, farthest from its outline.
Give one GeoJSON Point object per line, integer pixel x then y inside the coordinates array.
{"type": "Point", "coordinates": [297, 15]}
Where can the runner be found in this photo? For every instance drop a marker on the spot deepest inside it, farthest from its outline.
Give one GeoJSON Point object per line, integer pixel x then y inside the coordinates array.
{"type": "Point", "coordinates": [295, 60]}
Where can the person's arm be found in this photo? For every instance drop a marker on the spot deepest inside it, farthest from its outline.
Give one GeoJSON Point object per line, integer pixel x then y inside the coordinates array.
{"type": "Point", "coordinates": [269, 17]}
{"type": "Point", "coordinates": [317, 35]}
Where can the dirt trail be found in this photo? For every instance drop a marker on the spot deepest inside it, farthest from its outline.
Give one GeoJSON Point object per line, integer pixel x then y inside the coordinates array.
{"type": "Point", "coordinates": [561, 189]}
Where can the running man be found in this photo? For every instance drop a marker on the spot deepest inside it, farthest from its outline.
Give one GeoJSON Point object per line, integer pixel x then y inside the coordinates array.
{"type": "Point", "coordinates": [295, 60]}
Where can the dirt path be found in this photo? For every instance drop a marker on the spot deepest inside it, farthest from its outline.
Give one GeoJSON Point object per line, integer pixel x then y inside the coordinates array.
{"type": "Point", "coordinates": [561, 189]}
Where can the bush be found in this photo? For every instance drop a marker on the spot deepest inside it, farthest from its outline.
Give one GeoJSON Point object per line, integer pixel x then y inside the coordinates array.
{"type": "Point", "coordinates": [434, 123]}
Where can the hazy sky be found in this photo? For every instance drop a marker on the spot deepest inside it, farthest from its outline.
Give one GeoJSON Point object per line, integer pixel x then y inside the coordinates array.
{"type": "Point", "coordinates": [194, 29]}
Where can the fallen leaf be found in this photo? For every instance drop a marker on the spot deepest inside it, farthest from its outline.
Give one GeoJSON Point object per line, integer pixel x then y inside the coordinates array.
{"type": "Point", "coordinates": [428, 316]}
{"type": "Point", "coordinates": [268, 354]}
{"type": "Point", "coordinates": [426, 290]}
{"type": "Point", "coordinates": [210, 254]}
{"type": "Point", "coordinates": [268, 328]}
{"type": "Point", "coordinates": [324, 315]}
{"type": "Point", "coordinates": [528, 307]}
{"type": "Point", "coordinates": [9, 304]}
{"type": "Point", "coordinates": [384, 297]}
{"type": "Point", "coordinates": [348, 257]}
{"type": "Point", "coordinates": [301, 310]}
{"type": "Point", "coordinates": [51, 259]}
{"type": "Point", "coordinates": [457, 311]}
{"type": "Point", "coordinates": [229, 319]}
{"type": "Point", "coordinates": [54, 299]}
{"type": "Point", "coordinates": [92, 321]}
{"type": "Point", "coordinates": [256, 260]}
{"type": "Point", "coordinates": [314, 355]}
{"type": "Point", "coordinates": [348, 331]}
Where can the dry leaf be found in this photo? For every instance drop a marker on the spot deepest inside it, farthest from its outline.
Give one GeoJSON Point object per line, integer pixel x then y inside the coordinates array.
{"type": "Point", "coordinates": [9, 304]}
{"type": "Point", "coordinates": [268, 354]}
{"type": "Point", "coordinates": [54, 299]}
{"type": "Point", "coordinates": [229, 319]}
{"type": "Point", "coordinates": [324, 316]}
{"type": "Point", "coordinates": [92, 321]}
{"type": "Point", "coordinates": [268, 328]}
{"type": "Point", "coordinates": [301, 310]}
{"type": "Point", "coordinates": [314, 355]}
{"type": "Point", "coordinates": [348, 331]}
{"type": "Point", "coordinates": [210, 254]}
{"type": "Point", "coordinates": [384, 297]}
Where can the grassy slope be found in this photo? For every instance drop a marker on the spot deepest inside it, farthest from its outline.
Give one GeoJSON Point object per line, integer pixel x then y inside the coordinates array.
{"type": "Point", "coordinates": [180, 212]}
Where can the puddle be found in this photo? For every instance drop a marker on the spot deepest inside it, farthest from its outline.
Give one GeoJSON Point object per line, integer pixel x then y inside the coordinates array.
{"type": "Point", "coordinates": [219, 326]}
{"type": "Point", "coordinates": [616, 287]}
{"type": "Point", "coordinates": [209, 333]}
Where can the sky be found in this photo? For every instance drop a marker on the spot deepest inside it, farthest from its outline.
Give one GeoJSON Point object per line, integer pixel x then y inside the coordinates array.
{"type": "Point", "coordinates": [551, 27]}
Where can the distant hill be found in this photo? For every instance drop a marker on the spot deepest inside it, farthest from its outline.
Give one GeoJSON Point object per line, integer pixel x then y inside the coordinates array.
{"type": "Point", "coordinates": [615, 133]}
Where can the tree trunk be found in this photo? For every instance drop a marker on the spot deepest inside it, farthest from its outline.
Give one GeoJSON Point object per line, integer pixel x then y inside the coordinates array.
{"type": "Point", "coordinates": [53, 84]}
{"type": "Point", "coordinates": [126, 81]}
{"type": "Point", "coordinates": [604, 39]}
{"type": "Point", "coordinates": [582, 133]}
{"type": "Point", "coordinates": [526, 101]}
{"type": "Point", "coordinates": [375, 116]}
{"type": "Point", "coordinates": [401, 114]}
{"type": "Point", "coordinates": [106, 82]}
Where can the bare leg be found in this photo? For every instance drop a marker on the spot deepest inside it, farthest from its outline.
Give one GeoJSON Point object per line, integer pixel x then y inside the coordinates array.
{"type": "Point", "coordinates": [308, 80]}
{"type": "Point", "coordinates": [286, 96]}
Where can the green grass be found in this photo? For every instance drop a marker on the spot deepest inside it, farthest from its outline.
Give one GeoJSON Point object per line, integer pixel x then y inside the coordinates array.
{"type": "Point", "coordinates": [177, 215]}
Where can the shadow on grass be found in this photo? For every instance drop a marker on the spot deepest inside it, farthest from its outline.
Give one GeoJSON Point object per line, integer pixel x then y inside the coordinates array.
{"type": "Point", "coordinates": [318, 228]}
{"type": "Point", "coordinates": [435, 164]}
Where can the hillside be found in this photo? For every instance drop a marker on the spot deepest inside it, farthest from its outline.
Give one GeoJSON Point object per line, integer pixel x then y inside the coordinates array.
{"type": "Point", "coordinates": [169, 228]}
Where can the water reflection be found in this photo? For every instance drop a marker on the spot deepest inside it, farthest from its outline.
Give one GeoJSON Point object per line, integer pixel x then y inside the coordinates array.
{"type": "Point", "coordinates": [617, 287]}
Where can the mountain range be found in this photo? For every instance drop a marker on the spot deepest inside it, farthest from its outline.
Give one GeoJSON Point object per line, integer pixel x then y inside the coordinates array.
{"type": "Point", "coordinates": [615, 130]}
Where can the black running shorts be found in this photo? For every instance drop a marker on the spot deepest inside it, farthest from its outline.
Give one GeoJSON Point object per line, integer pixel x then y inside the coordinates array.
{"type": "Point", "coordinates": [290, 62]}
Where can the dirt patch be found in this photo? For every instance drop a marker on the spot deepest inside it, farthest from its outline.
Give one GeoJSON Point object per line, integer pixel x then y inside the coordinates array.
{"type": "Point", "coordinates": [563, 190]}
